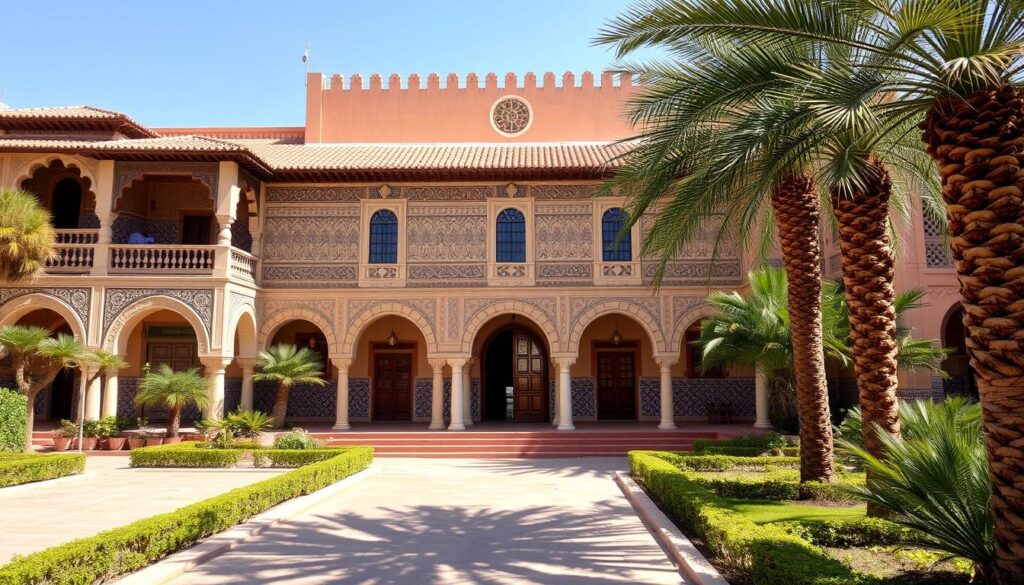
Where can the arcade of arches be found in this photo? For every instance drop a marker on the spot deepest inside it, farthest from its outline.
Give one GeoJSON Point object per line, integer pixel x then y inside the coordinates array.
{"type": "Point", "coordinates": [513, 373]}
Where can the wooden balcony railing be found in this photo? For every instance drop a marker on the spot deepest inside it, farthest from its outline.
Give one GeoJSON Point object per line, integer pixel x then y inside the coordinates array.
{"type": "Point", "coordinates": [161, 259]}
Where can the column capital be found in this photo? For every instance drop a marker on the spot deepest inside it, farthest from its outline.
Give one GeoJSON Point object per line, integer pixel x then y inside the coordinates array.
{"type": "Point", "coordinates": [247, 363]}
{"type": "Point", "coordinates": [342, 363]}
{"type": "Point", "coordinates": [215, 362]}
{"type": "Point", "coordinates": [666, 362]}
{"type": "Point", "coordinates": [437, 363]}
{"type": "Point", "coordinates": [457, 363]}
{"type": "Point", "coordinates": [89, 370]}
{"type": "Point", "coordinates": [565, 361]}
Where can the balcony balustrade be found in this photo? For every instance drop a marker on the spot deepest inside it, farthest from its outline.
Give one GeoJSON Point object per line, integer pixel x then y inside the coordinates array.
{"type": "Point", "coordinates": [161, 259]}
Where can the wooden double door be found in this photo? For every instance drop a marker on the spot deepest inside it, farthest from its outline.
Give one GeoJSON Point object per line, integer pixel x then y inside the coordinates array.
{"type": "Point", "coordinates": [392, 386]}
{"type": "Point", "coordinates": [616, 384]}
{"type": "Point", "coordinates": [529, 378]}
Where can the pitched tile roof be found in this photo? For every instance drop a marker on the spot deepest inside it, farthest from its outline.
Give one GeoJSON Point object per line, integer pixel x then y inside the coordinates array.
{"type": "Point", "coordinates": [65, 116]}
{"type": "Point", "coordinates": [287, 158]}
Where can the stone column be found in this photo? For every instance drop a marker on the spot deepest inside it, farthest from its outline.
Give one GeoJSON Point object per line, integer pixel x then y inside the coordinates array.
{"type": "Point", "coordinates": [565, 394]}
{"type": "Point", "coordinates": [467, 393]}
{"type": "Point", "coordinates": [110, 392]}
{"type": "Point", "coordinates": [341, 408]}
{"type": "Point", "coordinates": [554, 407]}
{"type": "Point", "coordinates": [224, 230]}
{"type": "Point", "coordinates": [437, 396]}
{"type": "Point", "coordinates": [457, 422]}
{"type": "Point", "coordinates": [667, 407]}
{"type": "Point", "coordinates": [762, 420]}
{"type": "Point", "coordinates": [93, 392]}
{"type": "Point", "coordinates": [105, 197]}
{"type": "Point", "coordinates": [214, 366]}
{"type": "Point", "coordinates": [247, 365]}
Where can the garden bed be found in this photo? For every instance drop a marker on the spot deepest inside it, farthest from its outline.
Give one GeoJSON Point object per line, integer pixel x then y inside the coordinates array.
{"type": "Point", "coordinates": [760, 526]}
{"type": "Point", "coordinates": [201, 454]}
{"type": "Point", "coordinates": [22, 468]}
{"type": "Point", "coordinates": [123, 550]}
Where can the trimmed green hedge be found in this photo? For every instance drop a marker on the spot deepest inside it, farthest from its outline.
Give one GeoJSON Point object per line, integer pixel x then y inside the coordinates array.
{"type": "Point", "coordinates": [200, 455]}
{"type": "Point", "coordinates": [776, 485]}
{"type": "Point", "coordinates": [13, 421]}
{"type": "Point", "coordinates": [689, 461]}
{"type": "Point", "coordinates": [746, 451]}
{"type": "Point", "coordinates": [769, 554]}
{"type": "Point", "coordinates": [19, 468]}
{"type": "Point", "coordinates": [129, 548]}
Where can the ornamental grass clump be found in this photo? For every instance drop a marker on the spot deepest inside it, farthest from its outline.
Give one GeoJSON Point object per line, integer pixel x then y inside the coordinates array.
{"type": "Point", "coordinates": [934, 480]}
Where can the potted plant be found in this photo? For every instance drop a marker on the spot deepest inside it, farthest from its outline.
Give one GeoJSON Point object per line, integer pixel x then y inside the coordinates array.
{"type": "Point", "coordinates": [174, 390]}
{"type": "Point", "coordinates": [64, 435]}
{"type": "Point", "coordinates": [138, 438]}
{"type": "Point", "coordinates": [111, 428]}
{"type": "Point", "coordinates": [90, 435]}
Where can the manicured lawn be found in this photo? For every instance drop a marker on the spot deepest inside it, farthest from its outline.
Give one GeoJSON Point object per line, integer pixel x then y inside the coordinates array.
{"type": "Point", "coordinates": [764, 512]}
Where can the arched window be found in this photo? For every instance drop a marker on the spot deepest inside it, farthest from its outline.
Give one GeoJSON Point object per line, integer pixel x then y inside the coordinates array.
{"type": "Point", "coordinates": [384, 237]}
{"type": "Point", "coordinates": [611, 224]}
{"type": "Point", "coordinates": [511, 236]}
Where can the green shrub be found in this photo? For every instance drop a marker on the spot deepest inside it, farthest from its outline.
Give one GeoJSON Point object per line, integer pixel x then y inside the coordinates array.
{"type": "Point", "coordinates": [296, 439]}
{"type": "Point", "coordinates": [13, 421]}
{"type": "Point", "coordinates": [766, 442]}
{"type": "Point", "coordinates": [776, 485]}
{"type": "Point", "coordinates": [129, 548]}
{"type": "Point", "coordinates": [291, 458]}
{"type": "Point", "coordinates": [19, 468]}
{"type": "Point", "coordinates": [697, 462]}
{"type": "Point", "coordinates": [184, 455]}
{"type": "Point", "coordinates": [769, 554]}
{"type": "Point", "coordinates": [713, 449]}
{"type": "Point", "coordinates": [862, 532]}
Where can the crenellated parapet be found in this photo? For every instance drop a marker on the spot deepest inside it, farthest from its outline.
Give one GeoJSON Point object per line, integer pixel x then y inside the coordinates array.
{"type": "Point", "coordinates": [414, 109]}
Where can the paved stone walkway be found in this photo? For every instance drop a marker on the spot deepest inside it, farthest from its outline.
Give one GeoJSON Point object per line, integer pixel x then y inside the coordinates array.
{"type": "Point", "coordinates": [45, 515]}
{"type": "Point", "coordinates": [424, 521]}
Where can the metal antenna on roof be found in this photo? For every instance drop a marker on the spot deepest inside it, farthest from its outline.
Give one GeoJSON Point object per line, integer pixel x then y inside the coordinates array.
{"type": "Point", "coordinates": [305, 60]}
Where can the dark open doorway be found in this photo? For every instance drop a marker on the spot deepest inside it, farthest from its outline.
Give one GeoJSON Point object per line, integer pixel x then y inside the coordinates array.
{"type": "Point", "coordinates": [515, 377]}
{"type": "Point", "coordinates": [61, 394]}
{"type": "Point", "coordinates": [66, 205]}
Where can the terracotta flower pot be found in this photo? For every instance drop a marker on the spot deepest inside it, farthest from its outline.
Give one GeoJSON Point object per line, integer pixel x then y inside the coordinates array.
{"type": "Point", "coordinates": [61, 443]}
{"type": "Point", "coordinates": [116, 443]}
{"type": "Point", "coordinates": [89, 443]}
{"type": "Point", "coordinates": [171, 440]}
{"type": "Point", "coordinates": [154, 441]}
{"type": "Point", "coordinates": [136, 442]}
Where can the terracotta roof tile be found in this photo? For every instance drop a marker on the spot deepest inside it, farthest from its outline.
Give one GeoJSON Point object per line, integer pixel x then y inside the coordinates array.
{"type": "Point", "coordinates": [63, 116]}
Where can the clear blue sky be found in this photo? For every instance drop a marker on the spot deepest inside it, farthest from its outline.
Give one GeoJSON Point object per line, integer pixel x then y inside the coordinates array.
{"type": "Point", "coordinates": [206, 63]}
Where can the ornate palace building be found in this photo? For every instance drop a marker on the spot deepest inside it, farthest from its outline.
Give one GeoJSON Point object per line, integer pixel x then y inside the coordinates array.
{"type": "Point", "coordinates": [440, 247]}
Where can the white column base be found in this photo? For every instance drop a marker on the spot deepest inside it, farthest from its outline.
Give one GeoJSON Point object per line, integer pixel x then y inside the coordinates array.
{"type": "Point", "coordinates": [433, 427]}
{"type": "Point", "coordinates": [667, 426]}
{"type": "Point", "coordinates": [566, 427]}
{"type": "Point", "coordinates": [341, 427]}
{"type": "Point", "coordinates": [763, 425]}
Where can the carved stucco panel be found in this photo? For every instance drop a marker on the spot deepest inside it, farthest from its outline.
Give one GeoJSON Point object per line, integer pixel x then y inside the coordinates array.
{"type": "Point", "coordinates": [562, 191]}
{"type": "Point", "coordinates": [313, 237]}
{"type": "Point", "coordinates": [128, 172]}
{"type": "Point", "coordinates": [447, 193]}
{"type": "Point", "coordinates": [77, 298]}
{"type": "Point", "coordinates": [199, 300]}
{"type": "Point", "coordinates": [447, 234]}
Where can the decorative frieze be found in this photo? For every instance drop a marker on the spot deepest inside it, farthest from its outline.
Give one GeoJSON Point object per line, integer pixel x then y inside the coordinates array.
{"type": "Point", "coordinates": [562, 191]}
{"type": "Point", "coordinates": [199, 300]}
{"type": "Point", "coordinates": [448, 193]}
{"type": "Point", "coordinates": [616, 270]}
{"type": "Point", "coordinates": [510, 270]}
{"type": "Point", "coordinates": [377, 272]}
{"type": "Point", "coordinates": [306, 276]}
{"type": "Point", "coordinates": [448, 274]}
{"type": "Point", "coordinates": [314, 194]}
{"type": "Point", "coordinates": [565, 271]}
{"type": "Point", "coordinates": [325, 307]}
{"type": "Point", "coordinates": [694, 272]}
{"type": "Point", "coordinates": [77, 298]}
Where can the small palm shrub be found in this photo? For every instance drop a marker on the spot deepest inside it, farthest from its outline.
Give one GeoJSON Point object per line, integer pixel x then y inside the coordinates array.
{"type": "Point", "coordinates": [175, 390]}
{"type": "Point", "coordinates": [288, 365]}
{"type": "Point", "coordinates": [248, 424]}
{"type": "Point", "coordinates": [296, 439]}
{"type": "Point", "coordinates": [917, 418]}
{"type": "Point", "coordinates": [934, 480]}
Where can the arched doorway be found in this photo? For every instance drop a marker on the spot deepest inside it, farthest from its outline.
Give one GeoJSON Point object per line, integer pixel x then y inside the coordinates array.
{"type": "Point", "coordinates": [958, 363]}
{"type": "Point", "coordinates": [514, 369]}
{"type": "Point", "coordinates": [67, 204]}
{"type": "Point", "coordinates": [58, 401]}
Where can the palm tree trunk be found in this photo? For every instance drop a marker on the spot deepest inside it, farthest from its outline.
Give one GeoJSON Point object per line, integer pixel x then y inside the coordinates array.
{"type": "Point", "coordinates": [978, 143]}
{"type": "Point", "coordinates": [280, 405]}
{"type": "Point", "coordinates": [797, 215]}
{"type": "Point", "coordinates": [173, 421]}
{"type": "Point", "coordinates": [867, 259]}
{"type": "Point", "coordinates": [30, 417]}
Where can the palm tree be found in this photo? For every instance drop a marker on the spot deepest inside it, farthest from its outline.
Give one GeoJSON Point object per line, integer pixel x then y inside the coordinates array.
{"type": "Point", "coordinates": [100, 360]}
{"type": "Point", "coordinates": [175, 390]}
{"type": "Point", "coordinates": [36, 358]}
{"type": "Point", "coordinates": [287, 365]}
{"type": "Point", "coordinates": [957, 65]}
{"type": "Point", "coordinates": [755, 330]}
{"type": "Point", "coordinates": [26, 235]}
